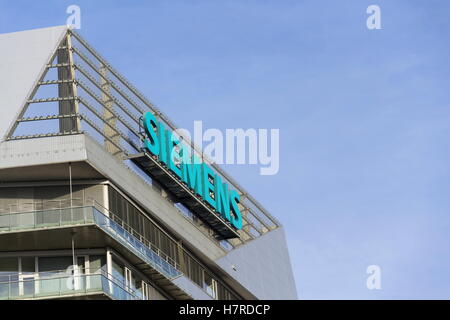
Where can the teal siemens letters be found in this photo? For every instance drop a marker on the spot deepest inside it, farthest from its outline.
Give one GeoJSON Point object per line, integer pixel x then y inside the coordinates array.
{"type": "Point", "coordinates": [198, 176]}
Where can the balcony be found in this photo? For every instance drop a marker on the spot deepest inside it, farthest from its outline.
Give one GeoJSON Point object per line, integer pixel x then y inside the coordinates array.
{"type": "Point", "coordinates": [64, 284]}
{"type": "Point", "coordinates": [45, 219]}
{"type": "Point", "coordinates": [94, 227]}
{"type": "Point", "coordinates": [88, 215]}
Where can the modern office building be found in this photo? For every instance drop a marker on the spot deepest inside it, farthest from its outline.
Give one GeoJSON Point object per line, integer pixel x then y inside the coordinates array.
{"type": "Point", "coordinates": [90, 210]}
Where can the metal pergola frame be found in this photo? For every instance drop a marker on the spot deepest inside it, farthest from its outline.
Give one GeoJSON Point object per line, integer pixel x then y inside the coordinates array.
{"type": "Point", "coordinates": [257, 220]}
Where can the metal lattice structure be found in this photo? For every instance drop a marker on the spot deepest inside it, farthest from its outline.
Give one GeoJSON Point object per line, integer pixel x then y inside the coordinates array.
{"type": "Point", "coordinates": [80, 92]}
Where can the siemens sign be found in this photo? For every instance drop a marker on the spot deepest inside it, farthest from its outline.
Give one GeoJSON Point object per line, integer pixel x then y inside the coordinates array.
{"type": "Point", "coordinates": [197, 175]}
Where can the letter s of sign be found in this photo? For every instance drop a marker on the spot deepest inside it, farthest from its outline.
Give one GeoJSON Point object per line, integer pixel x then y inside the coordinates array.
{"type": "Point", "coordinates": [150, 125]}
{"type": "Point", "coordinates": [236, 217]}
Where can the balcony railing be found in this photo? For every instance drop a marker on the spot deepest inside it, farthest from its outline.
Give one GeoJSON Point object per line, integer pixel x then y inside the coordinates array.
{"type": "Point", "coordinates": [56, 215]}
{"type": "Point", "coordinates": [62, 213]}
{"type": "Point", "coordinates": [45, 219]}
{"type": "Point", "coordinates": [21, 221]}
{"type": "Point", "coordinates": [135, 245]}
{"type": "Point", "coordinates": [62, 283]}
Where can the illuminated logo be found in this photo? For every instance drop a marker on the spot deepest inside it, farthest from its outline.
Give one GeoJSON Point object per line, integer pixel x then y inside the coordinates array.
{"type": "Point", "coordinates": [197, 175]}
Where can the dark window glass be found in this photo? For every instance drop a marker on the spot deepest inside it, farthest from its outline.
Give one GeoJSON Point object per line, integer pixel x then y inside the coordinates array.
{"type": "Point", "coordinates": [157, 240]}
{"type": "Point", "coordinates": [9, 270]}
{"type": "Point", "coordinates": [54, 263]}
{"type": "Point", "coordinates": [96, 263]}
{"type": "Point", "coordinates": [9, 265]}
{"type": "Point", "coordinates": [28, 265]}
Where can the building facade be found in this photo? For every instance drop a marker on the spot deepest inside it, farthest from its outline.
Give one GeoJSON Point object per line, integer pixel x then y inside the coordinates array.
{"type": "Point", "coordinates": [88, 212]}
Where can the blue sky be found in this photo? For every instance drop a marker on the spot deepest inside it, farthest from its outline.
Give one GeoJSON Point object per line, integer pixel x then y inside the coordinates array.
{"type": "Point", "coordinates": [364, 119]}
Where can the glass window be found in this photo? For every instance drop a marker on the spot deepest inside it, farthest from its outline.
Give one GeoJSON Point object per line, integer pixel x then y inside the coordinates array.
{"type": "Point", "coordinates": [159, 241]}
{"type": "Point", "coordinates": [29, 284]}
{"type": "Point", "coordinates": [118, 272]}
{"type": "Point", "coordinates": [81, 264]}
{"type": "Point", "coordinates": [47, 264]}
{"type": "Point", "coordinates": [96, 263]}
{"type": "Point", "coordinates": [193, 269]}
{"type": "Point", "coordinates": [9, 277]}
{"type": "Point", "coordinates": [145, 291]}
{"type": "Point", "coordinates": [129, 280]}
{"type": "Point", "coordinates": [9, 265]}
{"type": "Point", "coordinates": [210, 285]}
{"type": "Point", "coordinates": [28, 265]}
{"type": "Point", "coordinates": [28, 268]}
{"type": "Point", "coordinates": [50, 269]}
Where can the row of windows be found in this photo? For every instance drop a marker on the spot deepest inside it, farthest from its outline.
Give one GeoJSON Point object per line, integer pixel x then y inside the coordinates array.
{"type": "Point", "coordinates": [197, 273]}
{"type": "Point", "coordinates": [132, 281]}
{"type": "Point", "coordinates": [124, 213]}
{"type": "Point", "coordinates": [30, 276]}
{"type": "Point", "coordinates": [132, 217]}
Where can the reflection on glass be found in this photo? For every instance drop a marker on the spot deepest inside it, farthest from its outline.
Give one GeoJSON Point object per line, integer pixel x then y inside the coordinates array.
{"type": "Point", "coordinates": [9, 285]}
{"type": "Point", "coordinates": [28, 286]}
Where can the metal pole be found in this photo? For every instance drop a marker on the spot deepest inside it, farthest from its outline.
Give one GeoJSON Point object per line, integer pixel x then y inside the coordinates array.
{"type": "Point", "coordinates": [71, 193]}
{"type": "Point", "coordinates": [74, 267]}
{"type": "Point", "coordinates": [70, 184]}
{"type": "Point", "coordinates": [73, 249]}
{"type": "Point", "coordinates": [71, 216]}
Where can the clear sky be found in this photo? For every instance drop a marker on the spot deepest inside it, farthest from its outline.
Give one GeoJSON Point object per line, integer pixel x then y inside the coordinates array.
{"type": "Point", "coordinates": [364, 118]}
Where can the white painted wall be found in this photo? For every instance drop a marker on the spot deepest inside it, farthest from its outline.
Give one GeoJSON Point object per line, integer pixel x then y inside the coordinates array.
{"type": "Point", "coordinates": [23, 57]}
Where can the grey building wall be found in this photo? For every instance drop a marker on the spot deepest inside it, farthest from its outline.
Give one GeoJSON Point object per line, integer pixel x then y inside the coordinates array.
{"type": "Point", "coordinates": [263, 266]}
{"type": "Point", "coordinates": [194, 290]}
{"type": "Point", "coordinates": [32, 152]}
{"type": "Point", "coordinates": [155, 295]}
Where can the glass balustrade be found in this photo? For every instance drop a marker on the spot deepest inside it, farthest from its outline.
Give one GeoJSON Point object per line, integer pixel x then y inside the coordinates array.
{"type": "Point", "coordinates": [82, 215]}
{"type": "Point", "coordinates": [63, 283]}
{"type": "Point", "coordinates": [136, 246]}
{"type": "Point", "coordinates": [85, 215]}
{"type": "Point", "coordinates": [45, 219]}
